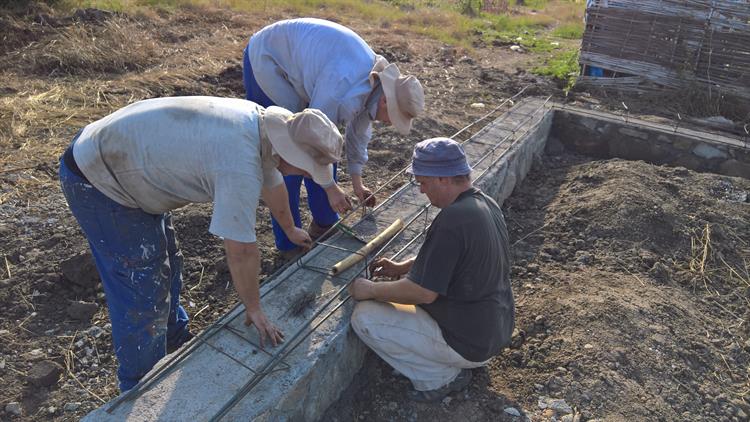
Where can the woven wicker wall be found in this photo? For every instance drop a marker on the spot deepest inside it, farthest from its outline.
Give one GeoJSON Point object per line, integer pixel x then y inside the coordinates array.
{"type": "Point", "coordinates": [671, 42]}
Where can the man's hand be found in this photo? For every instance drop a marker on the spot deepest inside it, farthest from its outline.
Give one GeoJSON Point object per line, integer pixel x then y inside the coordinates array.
{"type": "Point", "coordinates": [363, 193]}
{"type": "Point", "coordinates": [365, 196]}
{"type": "Point", "coordinates": [264, 326]}
{"type": "Point", "coordinates": [361, 289]}
{"type": "Point", "coordinates": [385, 267]}
{"type": "Point", "coordinates": [299, 237]}
{"type": "Point", "coordinates": [337, 199]}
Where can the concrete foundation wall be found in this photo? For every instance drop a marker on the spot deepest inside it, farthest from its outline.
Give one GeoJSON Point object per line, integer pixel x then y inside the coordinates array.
{"type": "Point", "coordinates": [606, 136]}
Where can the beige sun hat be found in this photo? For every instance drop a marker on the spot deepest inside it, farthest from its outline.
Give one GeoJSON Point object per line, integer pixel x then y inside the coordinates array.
{"type": "Point", "coordinates": [404, 94]}
{"type": "Point", "coordinates": [308, 140]}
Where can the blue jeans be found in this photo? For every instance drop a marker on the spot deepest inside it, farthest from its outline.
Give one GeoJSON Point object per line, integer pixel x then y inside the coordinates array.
{"type": "Point", "coordinates": [140, 266]}
{"type": "Point", "coordinates": [321, 210]}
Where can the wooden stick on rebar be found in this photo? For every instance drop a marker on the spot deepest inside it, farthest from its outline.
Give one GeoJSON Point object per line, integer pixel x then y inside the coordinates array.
{"type": "Point", "coordinates": [365, 250]}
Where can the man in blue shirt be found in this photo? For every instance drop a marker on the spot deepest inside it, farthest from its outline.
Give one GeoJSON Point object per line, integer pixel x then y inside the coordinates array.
{"type": "Point", "coordinates": [314, 63]}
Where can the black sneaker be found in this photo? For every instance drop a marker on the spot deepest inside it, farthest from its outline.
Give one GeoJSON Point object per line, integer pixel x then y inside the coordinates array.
{"type": "Point", "coordinates": [462, 381]}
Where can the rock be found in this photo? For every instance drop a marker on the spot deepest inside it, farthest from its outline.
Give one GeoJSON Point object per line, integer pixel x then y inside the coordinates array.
{"type": "Point", "coordinates": [52, 410]}
{"type": "Point", "coordinates": [517, 48]}
{"type": "Point", "coordinates": [71, 407]}
{"type": "Point", "coordinates": [14, 408]}
{"type": "Point", "coordinates": [560, 406]}
{"type": "Point", "coordinates": [512, 411]}
{"type": "Point", "coordinates": [466, 59]}
{"type": "Point", "coordinates": [477, 105]}
{"type": "Point", "coordinates": [584, 258]}
{"type": "Point", "coordinates": [447, 400]}
{"type": "Point", "coordinates": [532, 268]}
{"type": "Point", "coordinates": [95, 331]}
{"type": "Point", "coordinates": [44, 373]}
{"type": "Point", "coordinates": [34, 355]}
{"type": "Point", "coordinates": [557, 405]}
{"type": "Point", "coordinates": [80, 270]}
{"type": "Point", "coordinates": [82, 311]}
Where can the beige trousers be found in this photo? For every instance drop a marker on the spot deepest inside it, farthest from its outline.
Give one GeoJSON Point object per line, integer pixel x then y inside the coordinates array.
{"type": "Point", "coordinates": [410, 341]}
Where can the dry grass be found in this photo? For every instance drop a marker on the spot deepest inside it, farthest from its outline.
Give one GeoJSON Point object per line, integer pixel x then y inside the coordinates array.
{"type": "Point", "coordinates": [92, 69]}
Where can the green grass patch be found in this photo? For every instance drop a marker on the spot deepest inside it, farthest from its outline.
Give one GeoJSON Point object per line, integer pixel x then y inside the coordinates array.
{"type": "Point", "coordinates": [562, 66]}
{"type": "Point", "coordinates": [442, 20]}
{"type": "Point", "coordinates": [569, 31]}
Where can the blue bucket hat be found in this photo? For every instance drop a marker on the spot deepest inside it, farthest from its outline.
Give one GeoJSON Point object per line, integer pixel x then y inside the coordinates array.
{"type": "Point", "coordinates": [438, 157]}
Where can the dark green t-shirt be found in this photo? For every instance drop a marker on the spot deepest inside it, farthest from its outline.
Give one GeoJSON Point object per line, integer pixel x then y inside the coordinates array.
{"type": "Point", "coordinates": [465, 258]}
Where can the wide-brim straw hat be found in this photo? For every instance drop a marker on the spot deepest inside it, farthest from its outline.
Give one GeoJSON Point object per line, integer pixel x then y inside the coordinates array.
{"type": "Point", "coordinates": [404, 94]}
{"type": "Point", "coordinates": [307, 140]}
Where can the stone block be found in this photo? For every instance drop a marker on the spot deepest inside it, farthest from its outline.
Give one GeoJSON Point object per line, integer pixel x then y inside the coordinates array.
{"type": "Point", "coordinates": [80, 270]}
{"type": "Point", "coordinates": [44, 373]}
{"type": "Point", "coordinates": [627, 131]}
{"type": "Point", "coordinates": [708, 152]}
{"type": "Point", "coordinates": [82, 311]}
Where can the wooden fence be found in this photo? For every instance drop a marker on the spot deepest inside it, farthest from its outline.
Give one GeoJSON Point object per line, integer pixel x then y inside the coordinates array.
{"type": "Point", "coordinates": [676, 43]}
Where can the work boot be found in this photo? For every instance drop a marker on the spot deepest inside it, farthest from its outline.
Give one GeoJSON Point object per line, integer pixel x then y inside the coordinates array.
{"type": "Point", "coordinates": [315, 231]}
{"type": "Point", "coordinates": [462, 381]}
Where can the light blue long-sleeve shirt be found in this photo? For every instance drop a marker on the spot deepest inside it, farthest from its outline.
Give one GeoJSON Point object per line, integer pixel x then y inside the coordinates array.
{"type": "Point", "coordinates": [314, 63]}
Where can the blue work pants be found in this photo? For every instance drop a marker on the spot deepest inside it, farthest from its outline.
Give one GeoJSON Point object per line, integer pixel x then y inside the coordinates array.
{"type": "Point", "coordinates": [140, 266]}
{"type": "Point", "coordinates": [322, 213]}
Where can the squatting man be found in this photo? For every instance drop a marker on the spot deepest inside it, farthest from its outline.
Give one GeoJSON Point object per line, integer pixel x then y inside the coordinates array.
{"type": "Point", "coordinates": [451, 308]}
{"type": "Point", "coordinates": [124, 174]}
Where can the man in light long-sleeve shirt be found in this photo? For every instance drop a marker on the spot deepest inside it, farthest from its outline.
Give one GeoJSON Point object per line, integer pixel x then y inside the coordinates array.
{"type": "Point", "coordinates": [123, 174]}
{"type": "Point", "coordinates": [315, 63]}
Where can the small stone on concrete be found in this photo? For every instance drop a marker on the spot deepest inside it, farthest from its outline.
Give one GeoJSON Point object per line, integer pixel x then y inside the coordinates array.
{"type": "Point", "coordinates": [14, 408]}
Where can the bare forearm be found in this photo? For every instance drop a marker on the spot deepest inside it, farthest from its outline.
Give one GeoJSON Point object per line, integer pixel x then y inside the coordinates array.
{"type": "Point", "coordinates": [400, 291]}
{"type": "Point", "coordinates": [277, 200]}
{"type": "Point", "coordinates": [244, 266]}
{"type": "Point", "coordinates": [357, 181]}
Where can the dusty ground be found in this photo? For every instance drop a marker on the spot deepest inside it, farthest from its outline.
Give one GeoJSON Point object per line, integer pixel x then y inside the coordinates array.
{"type": "Point", "coordinates": [612, 318]}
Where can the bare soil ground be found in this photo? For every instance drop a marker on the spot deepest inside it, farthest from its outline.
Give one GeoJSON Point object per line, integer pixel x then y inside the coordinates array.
{"type": "Point", "coordinates": [631, 280]}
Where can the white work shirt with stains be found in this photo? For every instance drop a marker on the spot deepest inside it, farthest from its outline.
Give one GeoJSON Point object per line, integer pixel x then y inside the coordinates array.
{"type": "Point", "coordinates": [314, 63]}
{"type": "Point", "coordinates": [164, 153]}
